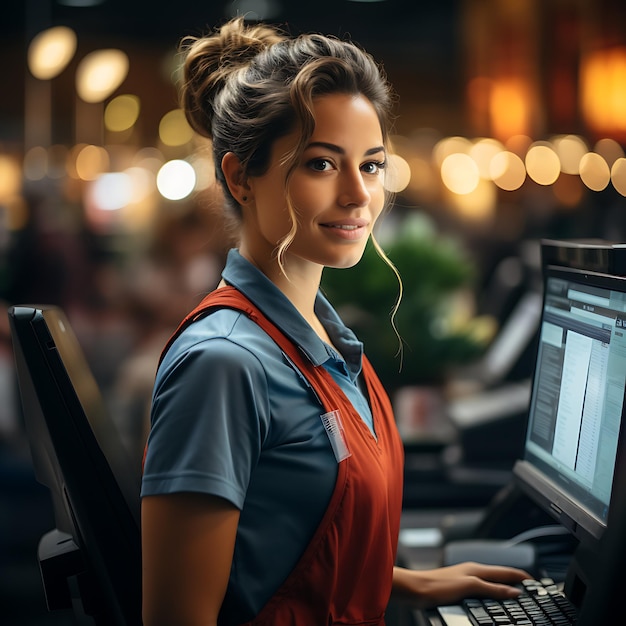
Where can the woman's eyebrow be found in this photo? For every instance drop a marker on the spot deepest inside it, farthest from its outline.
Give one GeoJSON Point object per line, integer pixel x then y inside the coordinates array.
{"type": "Point", "coordinates": [339, 150]}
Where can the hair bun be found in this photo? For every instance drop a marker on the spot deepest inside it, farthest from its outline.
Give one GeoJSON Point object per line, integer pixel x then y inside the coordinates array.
{"type": "Point", "coordinates": [209, 61]}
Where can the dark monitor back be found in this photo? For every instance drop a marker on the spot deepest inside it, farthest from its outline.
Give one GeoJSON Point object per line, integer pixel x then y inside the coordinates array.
{"type": "Point", "coordinates": [77, 453]}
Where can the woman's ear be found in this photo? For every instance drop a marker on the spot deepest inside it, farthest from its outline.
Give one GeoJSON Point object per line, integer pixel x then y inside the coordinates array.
{"type": "Point", "coordinates": [235, 177]}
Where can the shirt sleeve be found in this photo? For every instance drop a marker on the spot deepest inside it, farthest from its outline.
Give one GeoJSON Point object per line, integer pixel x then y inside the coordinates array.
{"type": "Point", "coordinates": [208, 419]}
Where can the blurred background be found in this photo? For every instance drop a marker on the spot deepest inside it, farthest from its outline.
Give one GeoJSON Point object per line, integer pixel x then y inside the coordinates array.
{"type": "Point", "coordinates": [511, 125]}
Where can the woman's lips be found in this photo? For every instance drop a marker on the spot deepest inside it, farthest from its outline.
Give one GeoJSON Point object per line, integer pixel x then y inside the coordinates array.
{"type": "Point", "coordinates": [347, 229]}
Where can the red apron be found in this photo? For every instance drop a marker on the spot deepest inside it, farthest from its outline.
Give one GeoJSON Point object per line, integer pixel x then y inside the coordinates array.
{"type": "Point", "coordinates": [345, 574]}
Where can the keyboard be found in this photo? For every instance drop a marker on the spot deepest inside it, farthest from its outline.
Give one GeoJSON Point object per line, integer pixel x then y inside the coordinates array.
{"type": "Point", "coordinates": [542, 603]}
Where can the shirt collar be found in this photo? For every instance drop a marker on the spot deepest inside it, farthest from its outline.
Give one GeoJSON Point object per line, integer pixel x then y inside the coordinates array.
{"type": "Point", "coordinates": [248, 279]}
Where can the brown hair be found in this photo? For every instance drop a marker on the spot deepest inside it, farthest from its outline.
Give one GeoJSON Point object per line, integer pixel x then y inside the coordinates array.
{"type": "Point", "coordinates": [244, 86]}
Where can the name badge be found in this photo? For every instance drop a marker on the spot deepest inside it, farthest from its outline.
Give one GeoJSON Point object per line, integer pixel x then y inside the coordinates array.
{"type": "Point", "coordinates": [336, 435]}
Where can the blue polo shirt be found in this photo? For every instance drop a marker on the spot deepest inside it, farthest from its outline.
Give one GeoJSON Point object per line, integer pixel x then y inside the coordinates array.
{"type": "Point", "coordinates": [232, 417]}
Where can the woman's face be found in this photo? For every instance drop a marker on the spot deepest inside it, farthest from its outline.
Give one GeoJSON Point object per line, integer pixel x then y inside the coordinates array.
{"type": "Point", "coordinates": [336, 188]}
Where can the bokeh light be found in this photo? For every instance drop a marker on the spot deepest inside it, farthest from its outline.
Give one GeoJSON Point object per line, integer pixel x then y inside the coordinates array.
{"type": "Point", "coordinates": [542, 164]}
{"type": "Point", "coordinates": [121, 113]}
{"type": "Point", "coordinates": [450, 145]}
{"type": "Point", "coordinates": [594, 171]}
{"type": "Point", "coordinates": [459, 173]}
{"type": "Point", "coordinates": [91, 161]}
{"type": "Point", "coordinates": [111, 191]}
{"type": "Point", "coordinates": [570, 149]}
{"type": "Point", "coordinates": [603, 89]}
{"type": "Point", "coordinates": [50, 52]}
{"type": "Point", "coordinates": [176, 179]}
{"type": "Point", "coordinates": [507, 171]}
{"type": "Point", "coordinates": [100, 73]}
{"type": "Point", "coordinates": [397, 174]}
{"type": "Point", "coordinates": [10, 177]}
{"type": "Point", "coordinates": [618, 176]}
{"type": "Point", "coordinates": [174, 130]}
{"type": "Point", "coordinates": [483, 151]}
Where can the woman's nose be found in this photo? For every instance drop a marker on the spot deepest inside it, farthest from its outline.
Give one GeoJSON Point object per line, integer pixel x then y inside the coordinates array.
{"type": "Point", "coordinates": [353, 191]}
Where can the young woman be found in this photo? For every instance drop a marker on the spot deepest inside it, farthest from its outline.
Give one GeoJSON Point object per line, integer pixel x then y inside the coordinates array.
{"type": "Point", "coordinates": [272, 485]}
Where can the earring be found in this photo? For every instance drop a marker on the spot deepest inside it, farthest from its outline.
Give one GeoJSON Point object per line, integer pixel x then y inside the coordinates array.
{"type": "Point", "coordinates": [244, 198]}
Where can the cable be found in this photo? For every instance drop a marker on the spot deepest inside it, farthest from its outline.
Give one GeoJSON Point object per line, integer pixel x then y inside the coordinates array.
{"type": "Point", "coordinates": [533, 533]}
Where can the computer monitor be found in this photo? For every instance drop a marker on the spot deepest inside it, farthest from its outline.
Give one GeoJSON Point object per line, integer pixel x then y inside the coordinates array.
{"type": "Point", "coordinates": [575, 420]}
{"type": "Point", "coordinates": [95, 551]}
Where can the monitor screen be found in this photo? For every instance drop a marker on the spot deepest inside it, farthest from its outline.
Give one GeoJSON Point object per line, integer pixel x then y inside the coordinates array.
{"type": "Point", "coordinates": [577, 400]}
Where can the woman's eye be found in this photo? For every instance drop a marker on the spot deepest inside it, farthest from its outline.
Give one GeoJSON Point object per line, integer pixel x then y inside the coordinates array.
{"type": "Point", "coordinates": [320, 165]}
{"type": "Point", "coordinates": [373, 167]}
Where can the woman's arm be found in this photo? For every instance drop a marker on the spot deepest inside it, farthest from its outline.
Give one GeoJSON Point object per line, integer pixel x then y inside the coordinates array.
{"type": "Point", "coordinates": [446, 585]}
{"type": "Point", "coordinates": [187, 543]}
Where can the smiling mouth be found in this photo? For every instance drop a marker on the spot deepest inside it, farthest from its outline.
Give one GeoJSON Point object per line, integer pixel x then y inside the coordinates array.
{"type": "Point", "coordinates": [343, 226]}
{"type": "Point", "coordinates": [346, 232]}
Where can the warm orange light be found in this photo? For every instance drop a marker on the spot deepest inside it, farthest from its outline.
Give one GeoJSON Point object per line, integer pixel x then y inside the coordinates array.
{"type": "Point", "coordinates": [509, 108]}
{"type": "Point", "coordinates": [10, 177]}
{"type": "Point", "coordinates": [603, 90]}
{"type": "Point", "coordinates": [91, 161]}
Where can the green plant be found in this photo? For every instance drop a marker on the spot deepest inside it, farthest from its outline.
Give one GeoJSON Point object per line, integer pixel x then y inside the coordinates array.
{"type": "Point", "coordinates": [434, 271]}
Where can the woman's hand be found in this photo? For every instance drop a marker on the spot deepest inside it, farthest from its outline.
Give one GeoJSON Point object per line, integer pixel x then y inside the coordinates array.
{"type": "Point", "coordinates": [447, 585]}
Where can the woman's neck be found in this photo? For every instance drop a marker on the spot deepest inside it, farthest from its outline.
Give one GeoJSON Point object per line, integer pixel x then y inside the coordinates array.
{"type": "Point", "coordinates": [299, 280]}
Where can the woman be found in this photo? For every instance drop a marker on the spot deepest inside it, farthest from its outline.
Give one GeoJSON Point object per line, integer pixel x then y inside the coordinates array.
{"type": "Point", "coordinates": [272, 485]}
